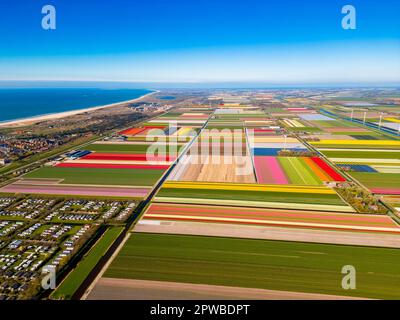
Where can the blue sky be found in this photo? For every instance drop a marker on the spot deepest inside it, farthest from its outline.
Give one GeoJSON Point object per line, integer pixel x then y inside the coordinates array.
{"type": "Point", "coordinates": [276, 42]}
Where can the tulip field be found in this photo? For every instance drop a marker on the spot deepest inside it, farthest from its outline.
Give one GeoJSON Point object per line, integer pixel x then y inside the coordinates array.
{"type": "Point", "coordinates": [271, 194]}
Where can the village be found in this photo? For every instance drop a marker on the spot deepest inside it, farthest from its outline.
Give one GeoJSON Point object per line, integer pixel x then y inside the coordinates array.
{"type": "Point", "coordinates": [38, 232]}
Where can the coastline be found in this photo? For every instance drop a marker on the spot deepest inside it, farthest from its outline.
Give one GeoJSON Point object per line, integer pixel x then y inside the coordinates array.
{"type": "Point", "coordinates": [59, 115]}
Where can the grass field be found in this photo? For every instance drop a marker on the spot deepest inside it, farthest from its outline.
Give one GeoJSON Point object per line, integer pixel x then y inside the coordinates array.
{"type": "Point", "coordinates": [277, 265]}
{"type": "Point", "coordinates": [99, 176]}
{"type": "Point", "coordinates": [73, 281]}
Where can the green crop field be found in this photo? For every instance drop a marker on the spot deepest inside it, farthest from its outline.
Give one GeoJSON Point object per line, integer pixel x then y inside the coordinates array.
{"type": "Point", "coordinates": [298, 171]}
{"type": "Point", "coordinates": [292, 197]}
{"type": "Point", "coordinates": [377, 179]}
{"type": "Point", "coordinates": [221, 127]}
{"type": "Point", "coordinates": [331, 123]}
{"type": "Point", "coordinates": [304, 129]}
{"type": "Point", "coordinates": [99, 176]}
{"type": "Point", "coordinates": [360, 133]}
{"type": "Point", "coordinates": [131, 148]}
{"type": "Point", "coordinates": [277, 265]}
{"type": "Point", "coordinates": [73, 281]}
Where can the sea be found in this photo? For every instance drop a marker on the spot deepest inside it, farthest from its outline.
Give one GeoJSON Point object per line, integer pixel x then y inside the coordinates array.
{"type": "Point", "coordinates": [21, 103]}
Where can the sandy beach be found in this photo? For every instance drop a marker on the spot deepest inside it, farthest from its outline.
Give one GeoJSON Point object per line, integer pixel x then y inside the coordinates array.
{"type": "Point", "coordinates": [53, 116]}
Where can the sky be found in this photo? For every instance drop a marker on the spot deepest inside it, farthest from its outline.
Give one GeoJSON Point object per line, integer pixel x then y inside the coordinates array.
{"type": "Point", "coordinates": [197, 41]}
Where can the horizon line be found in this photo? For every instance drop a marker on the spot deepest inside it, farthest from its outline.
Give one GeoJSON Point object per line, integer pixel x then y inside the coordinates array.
{"type": "Point", "coordinates": [255, 83]}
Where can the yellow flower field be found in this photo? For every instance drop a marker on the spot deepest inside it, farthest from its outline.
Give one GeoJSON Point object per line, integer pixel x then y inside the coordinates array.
{"type": "Point", "coordinates": [393, 120]}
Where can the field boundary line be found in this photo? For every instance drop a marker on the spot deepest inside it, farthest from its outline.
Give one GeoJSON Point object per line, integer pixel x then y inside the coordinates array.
{"type": "Point", "coordinates": [105, 267]}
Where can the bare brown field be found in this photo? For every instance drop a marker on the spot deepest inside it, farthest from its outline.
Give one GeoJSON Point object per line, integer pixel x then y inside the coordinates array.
{"type": "Point", "coordinates": [218, 169]}
{"type": "Point", "coordinates": [269, 233]}
{"type": "Point", "coordinates": [131, 289]}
